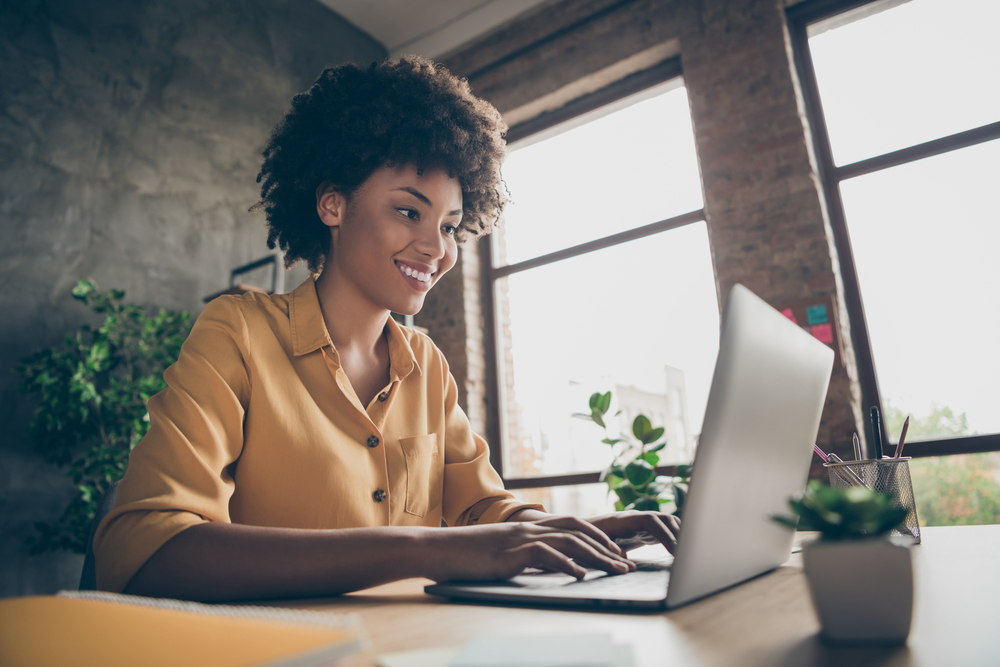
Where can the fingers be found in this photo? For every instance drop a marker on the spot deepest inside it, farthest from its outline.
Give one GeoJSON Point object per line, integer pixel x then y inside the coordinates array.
{"type": "Point", "coordinates": [629, 527]}
{"type": "Point", "coordinates": [584, 527]}
{"type": "Point", "coordinates": [663, 527]}
{"type": "Point", "coordinates": [544, 557]}
{"type": "Point", "coordinates": [584, 551]}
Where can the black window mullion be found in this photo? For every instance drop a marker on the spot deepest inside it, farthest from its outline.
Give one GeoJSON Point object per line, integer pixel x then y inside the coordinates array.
{"type": "Point", "coordinates": [838, 220]}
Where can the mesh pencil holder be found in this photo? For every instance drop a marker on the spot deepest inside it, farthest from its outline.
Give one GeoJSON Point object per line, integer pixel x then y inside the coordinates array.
{"type": "Point", "coordinates": [891, 476]}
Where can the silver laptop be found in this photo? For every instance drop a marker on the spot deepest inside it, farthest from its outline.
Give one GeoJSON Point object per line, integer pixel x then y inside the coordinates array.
{"type": "Point", "coordinates": [760, 424]}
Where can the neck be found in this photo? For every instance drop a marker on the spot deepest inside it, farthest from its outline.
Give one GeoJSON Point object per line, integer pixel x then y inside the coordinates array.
{"type": "Point", "coordinates": [352, 321]}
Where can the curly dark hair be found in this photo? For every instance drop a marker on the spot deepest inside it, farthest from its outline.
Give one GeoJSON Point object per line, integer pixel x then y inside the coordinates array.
{"type": "Point", "coordinates": [355, 120]}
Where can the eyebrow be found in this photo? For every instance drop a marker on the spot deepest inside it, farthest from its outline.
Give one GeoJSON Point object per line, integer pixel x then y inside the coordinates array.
{"type": "Point", "coordinates": [422, 197]}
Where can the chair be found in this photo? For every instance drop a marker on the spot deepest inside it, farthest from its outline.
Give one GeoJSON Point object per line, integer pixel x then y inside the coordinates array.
{"type": "Point", "coordinates": [88, 578]}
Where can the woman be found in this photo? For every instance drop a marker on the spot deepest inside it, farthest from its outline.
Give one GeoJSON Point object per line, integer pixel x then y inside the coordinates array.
{"type": "Point", "coordinates": [306, 443]}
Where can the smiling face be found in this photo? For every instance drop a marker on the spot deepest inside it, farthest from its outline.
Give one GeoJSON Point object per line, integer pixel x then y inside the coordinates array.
{"type": "Point", "coordinates": [395, 237]}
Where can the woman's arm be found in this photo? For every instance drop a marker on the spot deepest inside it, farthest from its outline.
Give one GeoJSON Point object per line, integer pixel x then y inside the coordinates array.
{"type": "Point", "coordinates": [224, 561]}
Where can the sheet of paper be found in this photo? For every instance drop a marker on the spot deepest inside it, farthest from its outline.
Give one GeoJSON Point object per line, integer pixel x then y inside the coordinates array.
{"type": "Point", "coordinates": [421, 657]}
{"type": "Point", "coordinates": [545, 651]}
{"type": "Point", "coordinates": [823, 333]}
{"type": "Point", "coordinates": [816, 314]}
{"type": "Point", "coordinates": [441, 657]}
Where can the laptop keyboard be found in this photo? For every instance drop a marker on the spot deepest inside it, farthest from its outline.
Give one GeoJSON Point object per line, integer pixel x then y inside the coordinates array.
{"type": "Point", "coordinates": [648, 581]}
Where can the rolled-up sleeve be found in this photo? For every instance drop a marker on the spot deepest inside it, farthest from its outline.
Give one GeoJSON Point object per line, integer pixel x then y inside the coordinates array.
{"type": "Point", "coordinates": [473, 491]}
{"type": "Point", "coordinates": [178, 475]}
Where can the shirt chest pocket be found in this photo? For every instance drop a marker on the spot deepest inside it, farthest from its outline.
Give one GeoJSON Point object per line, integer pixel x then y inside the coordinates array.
{"type": "Point", "coordinates": [423, 473]}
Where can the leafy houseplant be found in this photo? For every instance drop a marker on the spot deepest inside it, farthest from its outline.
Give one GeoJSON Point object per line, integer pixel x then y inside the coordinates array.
{"type": "Point", "coordinates": [93, 392]}
{"type": "Point", "coordinates": [861, 582]}
{"type": "Point", "coordinates": [632, 473]}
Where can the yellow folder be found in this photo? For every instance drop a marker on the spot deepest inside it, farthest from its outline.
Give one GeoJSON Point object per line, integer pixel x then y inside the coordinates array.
{"type": "Point", "coordinates": [108, 630]}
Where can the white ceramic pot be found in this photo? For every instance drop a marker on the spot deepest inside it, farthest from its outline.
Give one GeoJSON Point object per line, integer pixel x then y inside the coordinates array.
{"type": "Point", "coordinates": [862, 589]}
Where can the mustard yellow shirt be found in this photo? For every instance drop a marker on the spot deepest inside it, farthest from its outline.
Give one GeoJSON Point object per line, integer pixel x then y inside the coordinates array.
{"type": "Point", "coordinates": [259, 425]}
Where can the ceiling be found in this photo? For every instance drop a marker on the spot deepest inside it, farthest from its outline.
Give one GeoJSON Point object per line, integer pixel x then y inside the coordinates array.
{"type": "Point", "coordinates": [429, 28]}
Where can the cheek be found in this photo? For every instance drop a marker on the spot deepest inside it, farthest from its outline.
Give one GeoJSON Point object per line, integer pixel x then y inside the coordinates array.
{"type": "Point", "coordinates": [449, 259]}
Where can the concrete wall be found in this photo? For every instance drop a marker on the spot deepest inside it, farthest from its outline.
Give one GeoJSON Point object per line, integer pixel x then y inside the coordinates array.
{"type": "Point", "coordinates": [130, 136]}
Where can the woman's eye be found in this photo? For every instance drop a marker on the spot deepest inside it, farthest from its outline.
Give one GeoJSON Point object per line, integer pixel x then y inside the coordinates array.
{"type": "Point", "coordinates": [449, 230]}
{"type": "Point", "coordinates": [410, 213]}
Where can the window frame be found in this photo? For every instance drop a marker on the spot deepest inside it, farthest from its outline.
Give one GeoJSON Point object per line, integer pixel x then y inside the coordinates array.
{"type": "Point", "coordinates": [661, 73]}
{"type": "Point", "coordinates": [800, 17]}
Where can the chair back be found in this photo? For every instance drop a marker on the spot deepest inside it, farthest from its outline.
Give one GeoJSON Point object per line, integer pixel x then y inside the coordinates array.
{"type": "Point", "coordinates": [88, 578]}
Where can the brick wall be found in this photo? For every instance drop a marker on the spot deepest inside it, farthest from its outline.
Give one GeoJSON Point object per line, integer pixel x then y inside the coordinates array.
{"type": "Point", "coordinates": [766, 217]}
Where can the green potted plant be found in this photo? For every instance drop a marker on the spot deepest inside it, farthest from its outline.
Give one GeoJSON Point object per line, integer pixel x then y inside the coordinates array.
{"type": "Point", "coordinates": [632, 474]}
{"type": "Point", "coordinates": [92, 394]}
{"type": "Point", "coordinates": [860, 580]}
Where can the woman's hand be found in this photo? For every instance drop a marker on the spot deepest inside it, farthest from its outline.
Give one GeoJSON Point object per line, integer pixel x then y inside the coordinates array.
{"type": "Point", "coordinates": [631, 528]}
{"type": "Point", "coordinates": [500, 551]}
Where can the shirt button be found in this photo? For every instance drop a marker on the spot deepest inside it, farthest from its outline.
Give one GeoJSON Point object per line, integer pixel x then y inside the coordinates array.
{"type": "Point", "coordinates": [384, 395]}
{"type": "Point", "coordinates": [379, 495]}
{"type": "Point", "coordinates": [372, 441]}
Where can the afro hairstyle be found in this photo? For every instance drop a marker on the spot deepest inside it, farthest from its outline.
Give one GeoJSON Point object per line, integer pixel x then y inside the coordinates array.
{"type": "Point", "coordinates": [353, 121]}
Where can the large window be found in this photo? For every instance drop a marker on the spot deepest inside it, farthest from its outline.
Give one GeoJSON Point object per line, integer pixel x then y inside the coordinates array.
{"type": "Point", "coordinates": [602, 281]}
{"type": "Point", "coordinates": [905, 108]}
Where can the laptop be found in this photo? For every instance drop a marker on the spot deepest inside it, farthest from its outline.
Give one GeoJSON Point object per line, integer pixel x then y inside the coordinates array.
{"type": "Point", "coordinates": [754, 451]}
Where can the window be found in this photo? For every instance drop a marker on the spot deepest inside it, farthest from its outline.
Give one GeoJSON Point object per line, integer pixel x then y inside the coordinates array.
{"type": "Point", "coordinates": [906, 117]}
{"type": "Point", "coordinates": [602, 280]}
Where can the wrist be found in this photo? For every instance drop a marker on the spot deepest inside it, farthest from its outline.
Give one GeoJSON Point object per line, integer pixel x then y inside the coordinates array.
{"type": "Point", "coordinates": [528, 514]}
{"type": "Point", "coordinates": [430, 552]}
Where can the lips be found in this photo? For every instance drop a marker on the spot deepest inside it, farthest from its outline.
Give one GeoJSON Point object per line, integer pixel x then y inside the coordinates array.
{"type": "Point", "coordinates": [418, 277]}
{"type": "Point", "coordinates": [411, 272]}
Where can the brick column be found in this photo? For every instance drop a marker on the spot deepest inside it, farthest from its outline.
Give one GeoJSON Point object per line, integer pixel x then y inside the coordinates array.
{"type": "Point", "coordinates": [453, 317]}
{"type": "Point", "coordinates": [767, 220]}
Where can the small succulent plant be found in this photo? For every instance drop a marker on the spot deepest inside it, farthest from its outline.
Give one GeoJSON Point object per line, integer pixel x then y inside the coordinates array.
{"type": "Point", "coordinates": [842, 514]}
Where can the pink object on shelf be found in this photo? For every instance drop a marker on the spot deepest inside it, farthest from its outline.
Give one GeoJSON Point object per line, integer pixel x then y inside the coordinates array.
{"type": "Point", "coordinates": [823, 333]}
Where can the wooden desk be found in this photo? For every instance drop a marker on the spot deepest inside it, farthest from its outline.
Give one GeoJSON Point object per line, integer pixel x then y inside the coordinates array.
{"type": "Point", "coordinates": [767, 621]}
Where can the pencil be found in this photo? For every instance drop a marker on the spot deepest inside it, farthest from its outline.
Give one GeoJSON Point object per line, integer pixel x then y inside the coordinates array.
{"type": "Point", "coordinates": [902, 438]}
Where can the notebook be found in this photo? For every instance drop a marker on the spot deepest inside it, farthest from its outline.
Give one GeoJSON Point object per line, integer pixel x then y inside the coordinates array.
{"type": "Point", "coordinates": [754, 451]}
{"type": "Point", "coordinates": [110, 630]}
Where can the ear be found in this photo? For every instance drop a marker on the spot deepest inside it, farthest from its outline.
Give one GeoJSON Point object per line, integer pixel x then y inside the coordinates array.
{"type": "Point", "coordinates": [331, 205]}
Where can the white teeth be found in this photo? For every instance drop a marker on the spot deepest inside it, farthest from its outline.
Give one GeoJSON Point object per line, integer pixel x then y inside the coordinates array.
{"type": "Point", "coordinates": [416, 275]}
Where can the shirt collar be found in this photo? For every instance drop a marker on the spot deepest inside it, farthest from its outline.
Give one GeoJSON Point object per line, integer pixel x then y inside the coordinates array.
{"type": "Point", "coordinates": [309, 332]}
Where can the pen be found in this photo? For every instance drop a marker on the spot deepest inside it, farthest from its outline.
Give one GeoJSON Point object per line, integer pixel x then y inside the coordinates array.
{"type": "Point", "coordinates": [857, 447]}
{"type": "Point", "coordinates": [902, 438]}
{"type": "Point", "coordinates": [854, 476]}
{"type": "Point", "coordinates": [820, 453]}
{"type": "Point", "coordinates": [876, 433]}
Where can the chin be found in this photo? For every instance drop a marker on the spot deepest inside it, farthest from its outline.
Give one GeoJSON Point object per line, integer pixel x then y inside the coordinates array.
{"type": "Point", "coordinates": [407, 308]}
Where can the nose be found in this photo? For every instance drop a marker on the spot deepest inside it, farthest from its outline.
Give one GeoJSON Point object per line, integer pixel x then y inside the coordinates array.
{"type": "Point", "coordinates": [431, 241]}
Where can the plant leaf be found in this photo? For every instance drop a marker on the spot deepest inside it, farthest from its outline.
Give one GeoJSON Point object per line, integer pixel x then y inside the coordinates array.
{"type": "Point", "coordinates": [626, 494]}
{"type": "Point", "coordinates": [639, 472]}
{"type": "Point", "coordinates": [605, 402]}
{"type": "Point", "coordinates": [640, 426]}
{"type": "Point", "coordinates": [652, 435]}
{"type": "Point", "coordinates": [646, 504]}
